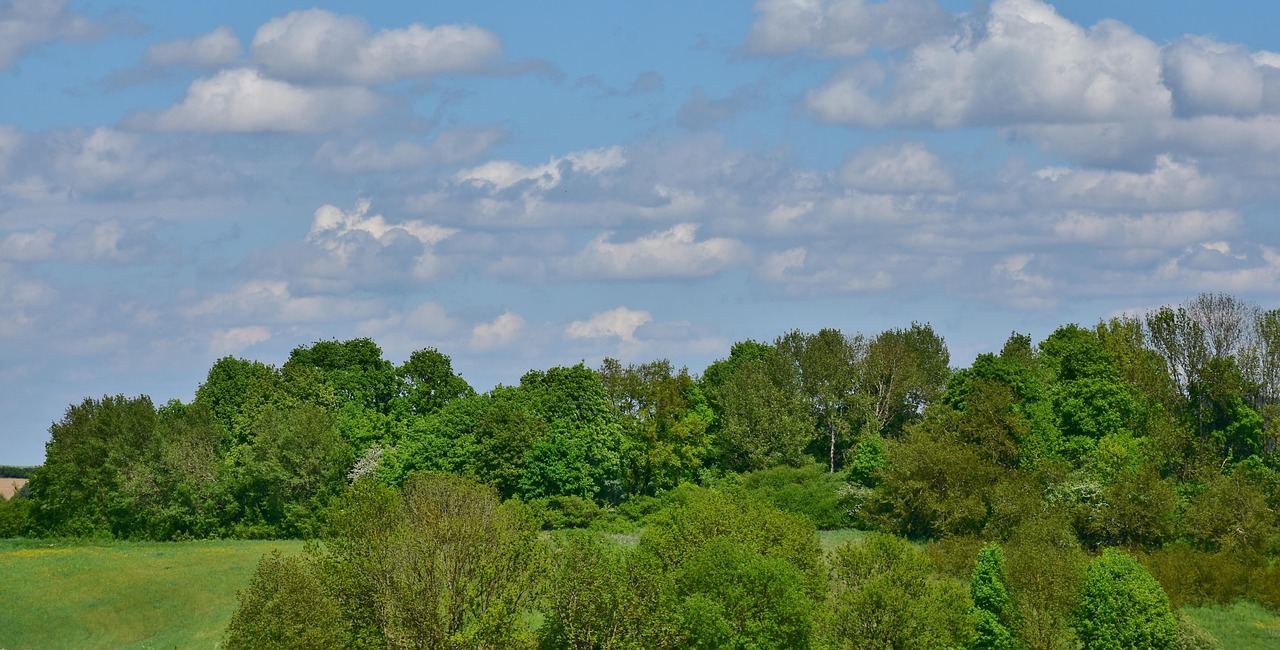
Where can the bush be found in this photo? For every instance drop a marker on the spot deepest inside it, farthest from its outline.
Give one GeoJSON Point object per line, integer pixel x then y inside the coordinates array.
{"type": "Point", "coordinates": [885, 594]}
{"type": "Point", "coordinates": [1122, 606]}
{"type": "Point", "coordinates": [735, 598]}
{"type": "Point", "coordinates": [810, 491]}
{"type": "Point", "coordinates": [601, 595]}
{"type": "Point", "coordinates": [17, 517]}
{"type": "Point", "coordinates": [286, 607]}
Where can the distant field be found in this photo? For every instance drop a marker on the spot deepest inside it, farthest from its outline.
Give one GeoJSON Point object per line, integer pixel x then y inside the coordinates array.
{"type": "Point", "coordinates": [123, 595]}
{"type": "Point", "coordinates": [1241, 626]}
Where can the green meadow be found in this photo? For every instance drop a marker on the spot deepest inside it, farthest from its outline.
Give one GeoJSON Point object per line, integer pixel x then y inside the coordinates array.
{"type": "Point", "coordinates": [123, 595]}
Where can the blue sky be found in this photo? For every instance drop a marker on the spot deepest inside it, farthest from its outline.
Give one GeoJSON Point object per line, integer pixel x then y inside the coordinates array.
{"type": "Point", "coordinates": [528, 184]}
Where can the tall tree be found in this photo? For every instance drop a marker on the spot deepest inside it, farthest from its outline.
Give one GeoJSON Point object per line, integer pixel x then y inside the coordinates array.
{"type": "Point", "coordinates": [823, 365]}
{"type": "Point", "coordinates": [664, 424]}
{"type": "Point", "coordinates": [902, 371]}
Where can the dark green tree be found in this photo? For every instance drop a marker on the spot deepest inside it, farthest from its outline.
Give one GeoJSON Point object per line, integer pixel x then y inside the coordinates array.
{"type": "Point", "coordinates": [1122, 606]}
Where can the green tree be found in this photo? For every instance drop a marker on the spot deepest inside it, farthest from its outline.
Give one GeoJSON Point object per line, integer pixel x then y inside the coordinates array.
{"type": "Point", "coordinates": [761, 419]}
{"type": "Point", "coordinates": [902, 372]}
{"type": "Point", "coordinates": [355, 369]}
{"type": "Point", "coordinates": [665, 422]}
{"type": "Point", "coordinates": [605, 595]}
{"type": "Point", "coordinates": [822, 369]}
{"type": "Point", "coordinates": [444, 565]}
{"type": "Point", "coordinates": [733, 597]}
{"type": "Point", "coordinates": [286, 607]}
{"type": "Point", "coordinates": [995, 614]}
{"type": "Point", "coordinates": [427, 383]}
{"type": "Point", "coordinates": [1122, 606]}
{"type": "Point", "coordinates": [1046, 571]}
{"type": "Point", "coordinates": [92, 453]}
{"type": "Point", "coordinates": [886, 595]}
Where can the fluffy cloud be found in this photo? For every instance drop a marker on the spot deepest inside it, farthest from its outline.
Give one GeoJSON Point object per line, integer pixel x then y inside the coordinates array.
{"type": "Point", "coordinates": [843, 27]}
{"type": "Point", "coordinates": [317, 45]}
{"type": "Point", "coordinates": [673, 253]}
{"type": "Point", "coordinates": [1018, 62]}
{"type": "Point", "coordinates": [449, 148]}
{"type": "Point", "coordinates": [499, 332]}
{"type": "Point", "coordinates": [216, 49]}
{"type": "Point", "coordinates": [27, 24]}
{"type": "Point", "coordinates": [1210, 77]}
{"type": "Point", "coordinates": [907, 167]}
{"type": "Point", "coordinates": [620, 323]}
{"type": "Point", "coordinates": [243, 101]}
{"type": "Point", "coordinates": [351, 241]}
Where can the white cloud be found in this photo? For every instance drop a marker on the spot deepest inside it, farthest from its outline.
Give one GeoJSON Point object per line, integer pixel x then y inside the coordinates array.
{"type": "Point", "coordinates": [502, 174]}
{"type": "Point", "coordinates": [1019, 286]}
{"type": "Point", "coordinates": [499, 332]}
{"type": "Point", "coordinates": [27, 24]}
{"type": "Point", "coordinates": [798, 271]}
{"type": "Point", "coordinates": [673, 253]}
{"type": "Point", "coordinates": [621, 323]}
{"type": "Point", "coordinates": [34, 246]}
{"type": "Point", "coordinates": [909, 167]}
{"type": "Point", "coordinates": [243, 101]}
{"type": "Point", "coordinates": [843, 27]}
{"type": "Point", "coordinates": [343, 236]}
{"type": "Point", "coordinates": [1171, 184]}
{"type": "Point", "coordinates": [317, 45]}
{"type": "Point", "coordinates": [1210, 77]}
{"type": "Point", "coordinates": [1148, 230]}
{"type": "Point", "coordinates": [236, 339]}
{"type": "Point", "coordinates": [1018, 62]}
{"type": "Point", "coordinates": [273, 301]}
{"type": "Point", "coordinates": [216, 49]}
{"type": "Point", "coordinates": [449, 148]}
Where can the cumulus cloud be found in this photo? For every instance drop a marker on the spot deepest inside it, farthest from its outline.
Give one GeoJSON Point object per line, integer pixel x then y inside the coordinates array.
{"type": "Point", "coordinates": [451, 147]}
{"type": "Point", "coordinates": [843, 27]}
{"type": "Point", "coordinates": [36, 246]}
{"type": "Point", "coordinates": [216, 49]}
{"type": "Point", "coordinates": [1214, 78]}
{"type": "Point", "coordinates": [1017, 62]}
{"type": "Point", "coordinates": [909, 167]}
{"type": "Point", "coordinates": [317, 45]}
{"type": "Point", "coordinates": [242, 100]}
{"type": "Point", "coordinates": [352, 239]}
{"type": "Point", "coordinates": [498, 333]}
{"type": "Point", "coordinates": [672, 253]}
{"type": "Point", "coordinates": [27, 24]}
{"type": "Point", "coordinates": [621, 323]}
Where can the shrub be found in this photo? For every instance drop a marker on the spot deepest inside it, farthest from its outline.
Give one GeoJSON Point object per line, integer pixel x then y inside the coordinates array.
{"type": "Point", "coordinates": [1122, 606]}
{"type": "Point", "coordinates": [885, 594]}
{"type": "Point", "coordinates": [734, 597]}
{"type": "Point", "coordinates": [810, 491]}
{"type": "Point", "coordinates": [286, 607]}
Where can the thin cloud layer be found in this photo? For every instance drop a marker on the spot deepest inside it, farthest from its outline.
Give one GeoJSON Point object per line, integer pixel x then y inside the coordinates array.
{"type": "Point", "coordinates": [315, 45]}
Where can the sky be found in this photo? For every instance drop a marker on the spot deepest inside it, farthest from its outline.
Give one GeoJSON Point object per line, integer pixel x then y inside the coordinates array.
{"type": "Point", "coordinates": [522, 185]}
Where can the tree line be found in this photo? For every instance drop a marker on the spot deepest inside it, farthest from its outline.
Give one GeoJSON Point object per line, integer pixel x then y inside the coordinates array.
{"type": "Point", "coordinates": [1154, 434]}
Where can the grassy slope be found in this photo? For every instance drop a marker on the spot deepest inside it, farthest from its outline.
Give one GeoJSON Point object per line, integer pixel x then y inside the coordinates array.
{"type": "Point", "coordinates": [123, 595]}
{"type": "Point", "coordinates": [1241, 626]}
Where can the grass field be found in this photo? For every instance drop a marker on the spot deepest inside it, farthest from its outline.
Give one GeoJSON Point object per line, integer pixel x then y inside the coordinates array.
{"type": "Point", "coordinates": [122, 595]}
{"type": "Point", "coordinates": [1241, 626]}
